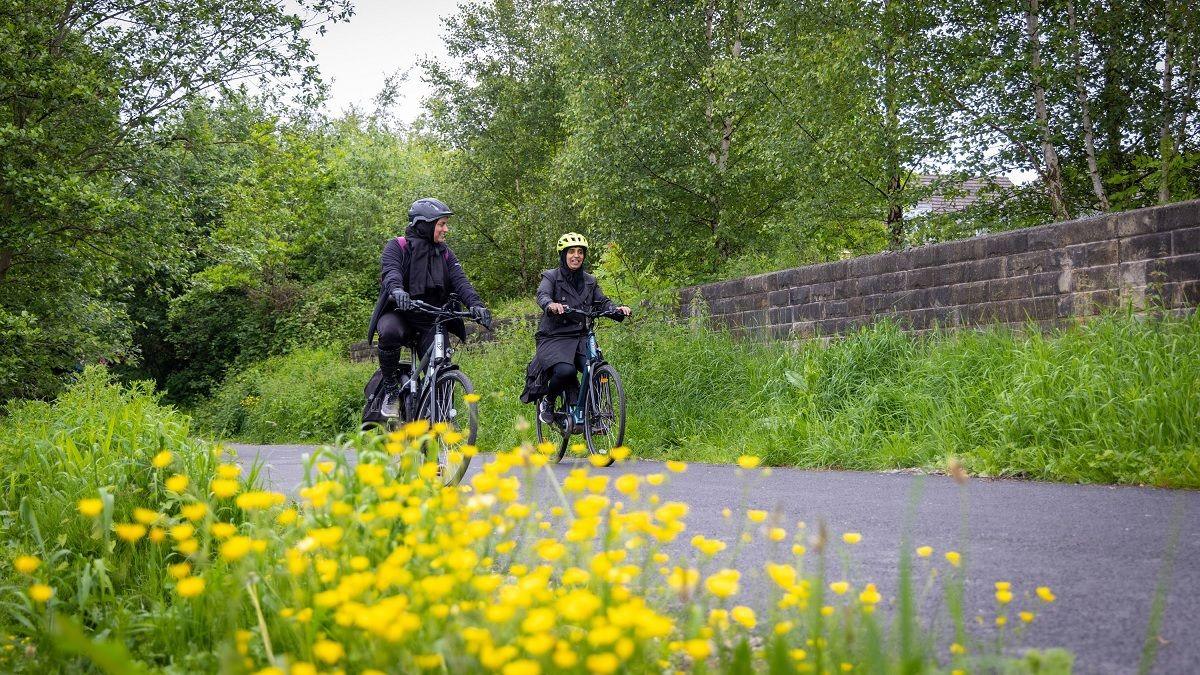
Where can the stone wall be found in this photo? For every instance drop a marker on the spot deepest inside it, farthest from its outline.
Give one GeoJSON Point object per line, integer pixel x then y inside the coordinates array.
{"type": "Point", "coordinates": [1051, 274]}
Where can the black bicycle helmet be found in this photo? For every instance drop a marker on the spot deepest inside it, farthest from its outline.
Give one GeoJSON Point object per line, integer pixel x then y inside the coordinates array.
{"type": "Point", "coordinates": [428, 209]}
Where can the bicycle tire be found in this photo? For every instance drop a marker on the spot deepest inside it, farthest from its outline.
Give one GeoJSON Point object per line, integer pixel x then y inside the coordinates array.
{"type": "Point", "coordinates": [451, 388]}
{"type": "Point", "coordinates": [543, 436]}
{"type": "Point", "coordinates": [604, 413]}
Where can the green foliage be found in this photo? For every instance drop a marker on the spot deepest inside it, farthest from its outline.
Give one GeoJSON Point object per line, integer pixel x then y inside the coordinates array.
{"type": "Point", "coordinates": [1106, 402]}
{"type": "Point", "coordinates": [97, 440]}
{"type": "Point", "coordinates": [308, 395]}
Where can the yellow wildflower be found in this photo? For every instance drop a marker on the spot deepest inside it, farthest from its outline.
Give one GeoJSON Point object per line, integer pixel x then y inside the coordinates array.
{"type": "Point", "coordinates": [183, 531]}
{"type": "Point", "coordinates": [676, 467]}
{"type": "Point", "coordinates": [748, 461]}
{"type": "Point", "coordinates": [223, 530]}
{"type": "Point", "coordinates": [90, 507]}
{"type": "Point", "coordinates": [161, 460]}
{"type": "Point", "coordinates": [1044, 593]}
{"type": "Point", "coordinates": [743, 615]}
{"type": "Point", "coordinates": [924, 551]}
{"type": "Point", "coordinates": [130, 532]}
{"type": "Point", "coordinates": [1027, 617]}
{"type": "Point", "coordinates": [223, 487]}
{"type": "Point", "coordinates": [328, 651]}
{"type": "Point", "coordinates": [146, 516]}
{"type": "Point", "coordinates": [179, 570]}
{"type": "Point", "coordinates": [851, 537]}
{"type": "Point", "coordinates": [698, 649]}
{"type": "Point", "coordinates": [954, 558]}
{"type": "Point", "coordinates": [723, 583]}
{"type": "Point", "coordinates": [236, 548]}
{"type": "Point", "coordinates": [839, 587]}
{"type": "Point", "coordinates": [41, 593]}
{"type": "Point", "coordinates": [190, 587]}
{"type": "Point", "coordinates": [756, 516]}
{"type": "Point", "coordinates": [27, 564]}
{"type": "Point", "coordinates": [177, 483]}
{"type": "Point", "coordinates": [194, 511]}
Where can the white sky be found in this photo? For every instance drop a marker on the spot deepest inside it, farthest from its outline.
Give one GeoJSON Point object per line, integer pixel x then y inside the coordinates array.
{"type": "Point", "coordinates": [383, 37]}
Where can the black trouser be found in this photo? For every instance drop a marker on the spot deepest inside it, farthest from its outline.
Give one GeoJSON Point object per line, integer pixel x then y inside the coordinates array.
{"type": "Point", "coordinates": [396, 331]}
{"type": "Point", "coordinates": [561, 378]}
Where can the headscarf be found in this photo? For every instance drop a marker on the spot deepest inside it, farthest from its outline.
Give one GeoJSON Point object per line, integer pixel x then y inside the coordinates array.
{"type": "Point", "coordinates": [573, 277]}
{"type": "Point", "coordinates": [426, 260]}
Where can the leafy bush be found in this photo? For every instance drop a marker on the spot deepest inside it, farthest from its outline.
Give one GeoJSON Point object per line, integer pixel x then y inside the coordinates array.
{"type": "Point", "coordinates": [379, 566]}
{"type": "Point", "coordinates": [308, 395]}
{"type": "Point", "coordinates": [1104, 402]}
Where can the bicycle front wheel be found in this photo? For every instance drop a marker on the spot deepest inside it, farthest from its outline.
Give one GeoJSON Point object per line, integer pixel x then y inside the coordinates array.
{"type": "Point", "coordinates": [604, 418]}
{"type": "Point", "coordinates": [451, 390]}
{"type": "Point", "coordinates": [553, 434]}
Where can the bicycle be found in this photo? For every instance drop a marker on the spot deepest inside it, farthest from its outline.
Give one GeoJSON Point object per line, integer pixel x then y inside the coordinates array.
{"type": "Point", "coordinates": [437, 391]}
{"type": "Point", "coordinates": [599, 410]}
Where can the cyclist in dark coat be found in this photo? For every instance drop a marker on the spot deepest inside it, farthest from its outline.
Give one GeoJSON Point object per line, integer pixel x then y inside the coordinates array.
{"type": "Point", "coordinates": [560, 338]}
{"type": "Point", "coordinates": [419, 267]}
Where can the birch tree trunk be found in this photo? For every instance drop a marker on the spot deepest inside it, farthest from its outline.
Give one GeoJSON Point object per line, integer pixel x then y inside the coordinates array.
{"type": "Point", "coordinates": [1089, 134]}
{"type": "Point", "coordinates": [1053, 173]}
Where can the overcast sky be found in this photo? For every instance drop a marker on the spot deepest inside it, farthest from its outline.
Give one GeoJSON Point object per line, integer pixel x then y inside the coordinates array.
{"type": "Point", "coordinates": [383, 37]}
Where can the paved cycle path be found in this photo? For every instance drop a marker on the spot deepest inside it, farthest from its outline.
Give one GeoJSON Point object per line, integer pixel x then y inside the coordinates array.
{"type": "Point", "coordinates": [1100, 548]}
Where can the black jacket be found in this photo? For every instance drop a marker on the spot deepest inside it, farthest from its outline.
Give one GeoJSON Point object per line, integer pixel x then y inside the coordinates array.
{"type": "Point", "coordinates": [559, 337]}
{"type": "Point", "coordinates": [394, 273]}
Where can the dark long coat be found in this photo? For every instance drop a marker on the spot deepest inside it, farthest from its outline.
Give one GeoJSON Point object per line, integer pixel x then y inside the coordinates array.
{"type": "Point", "coordinates": [560, 337]}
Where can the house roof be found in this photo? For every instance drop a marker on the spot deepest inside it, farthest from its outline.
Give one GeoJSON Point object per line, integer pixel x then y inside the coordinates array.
{"type": "Point", "coordinates": [951, 198]}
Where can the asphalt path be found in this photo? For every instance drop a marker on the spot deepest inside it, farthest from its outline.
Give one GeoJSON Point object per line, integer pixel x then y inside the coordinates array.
{"type": "Point", "coordinates": [1102, 549]}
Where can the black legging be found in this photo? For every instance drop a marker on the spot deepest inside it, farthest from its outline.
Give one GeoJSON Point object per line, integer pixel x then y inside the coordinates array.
{"type": "Point", "coordinates": [396, 331]}
{"type": "Point", "coordinates": [561, 377]}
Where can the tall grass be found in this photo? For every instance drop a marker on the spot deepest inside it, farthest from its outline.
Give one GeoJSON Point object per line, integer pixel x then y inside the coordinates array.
{"type": "Point", "coordinates": [1110, 401]}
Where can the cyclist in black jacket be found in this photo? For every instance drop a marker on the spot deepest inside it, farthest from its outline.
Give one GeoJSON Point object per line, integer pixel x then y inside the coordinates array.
{"type": "Point", "coordinates": [417, 266]}
{"type": "Point", "coordinates": [560, 338]}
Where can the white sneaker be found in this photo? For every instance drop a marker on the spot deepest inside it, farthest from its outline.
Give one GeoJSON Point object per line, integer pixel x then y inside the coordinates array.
{"type": "Point", "coordinates": [391, 404]}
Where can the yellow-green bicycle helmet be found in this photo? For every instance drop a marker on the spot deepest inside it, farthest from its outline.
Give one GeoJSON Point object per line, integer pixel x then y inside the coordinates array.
{"type": "Point", "coordinates": [572, 239]}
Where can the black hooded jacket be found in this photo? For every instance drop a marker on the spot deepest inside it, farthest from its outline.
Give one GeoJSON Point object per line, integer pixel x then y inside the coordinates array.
{"type": "Point", "coordinates": [397, 271]}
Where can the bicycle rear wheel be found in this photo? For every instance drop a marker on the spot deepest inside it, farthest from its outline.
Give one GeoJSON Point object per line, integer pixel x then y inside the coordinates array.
{"type": "Point", "coordinates": [451, 390]}
{"type": "Point", "coordinates": [604, 417]}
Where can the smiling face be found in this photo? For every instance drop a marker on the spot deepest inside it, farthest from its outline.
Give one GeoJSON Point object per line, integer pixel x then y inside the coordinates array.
{"type": "Point", "coordinates": [575, 256]}
{"type": "Point", "coordinates": [440, 229]}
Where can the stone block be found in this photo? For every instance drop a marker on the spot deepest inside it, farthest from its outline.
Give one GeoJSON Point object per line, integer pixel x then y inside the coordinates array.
{"type": "Point", "coordinates": [1005, 243]}
{"type": "Point", "coordinates": [779, 315]}
{"type": "Point", "coordinates": [929, 277]}
{"type": "Point", "coordinates": [1145, 246]}
{"type": "Point", "coordinates": [800, 295]}
{"type": "Point", "coordinates": [1181, 268]}
{"type": "Point", "coordinates": [970, 293]}
{"type": "Point", "coordinates": [807, 312]}
{"type": "Point", "coordinates": [1085, 230]}
{"type": "Point", "coordinates": [779, 298]}
{"type": "Point", "coordinates": [1185, 241]}
{"type": "Point", "coordinates": [1051, 283]}
{"type": "Point", "coordinates": [1096, 278]}
{"type": "Point", "coordinates": [834, 309]}
{"type": "Point", "coordinates": [1032, 262]}
{"type": "Point", "coordinates": [987, 268]}
{"type": "Point", "coordinates": [1009, 289]}
{"type": "Point", "coordinates": [804, 329]}
{"type": "Point", "coordinates": [822, 291]}
{"type": "Point", "coordinates": [1093, 254]}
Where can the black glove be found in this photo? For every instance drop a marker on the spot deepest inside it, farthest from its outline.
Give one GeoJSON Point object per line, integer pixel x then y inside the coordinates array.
{"type": "Point", "coordinates": [402, 300]}
{"type": "Point", "coordinates": [482, 315]}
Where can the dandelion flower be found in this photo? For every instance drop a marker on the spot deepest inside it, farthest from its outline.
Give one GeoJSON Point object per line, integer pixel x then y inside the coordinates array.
{"type": "Point", "coordinates": [179, 570]}
{"type": "Point", "coordinates": [194, 511]}
{"type": "Point", "coordinates": [41, 592]}
{"type": "Point", "coordinates": [1027, 617]}
{"type": "Point", "coordinates": [676, 467]}
{"type": "Point", "coordinates": [27, 564]}
{"type": "Point", "coordinates": [161, 460]}
{"type": "Point", "coordinates": [954, 558]}
{"type": "Point", "coordinates": [1004, 597]}
{"type": "Point", "coordinates": [748, 461]}
{"type": "Point", "coordinates": [183, 531]}
{"type": "Point", "coordinates": [177, 483]}
{"type": "Point", "coordinates": [756, 516]}
{"type": "Point", "coordinates": [839, 587]}
{"type": "Point", "coordinates": [851, 537]}
{"type": "Point", "coordinates": [328, 651]}
{"type": "Point", "coordinates": [1045, 594]}
{"type": "Point", "coordinates": [187, 546]}
{"type": "Point", "coordinates": [236, 548]}
{"type": "Point", "coordinates": [777, 534]}
{"type": "Point", "coordinates": [698, 649]}
{"type": "Point", "coordinates": [146, 516]}
{"type": "Point", "coordinates": [1001, 620]}
{"type": "Point", "coordinates": [223, 487]}
{"type": "Point", "coordinates": [655, 479]}
{"type": "Point", "coordinates": [90, 507]}
{"type": "Point", "coordinates": [190, 587]}
{"type": "Point", "coordinates": [223, 530]}
{"type": "Point", "coordinates": [924, 551]}
{"type": "Point", "coordinates": [471, 398]}
{"type": "Point", "coordinates": [130, 532]}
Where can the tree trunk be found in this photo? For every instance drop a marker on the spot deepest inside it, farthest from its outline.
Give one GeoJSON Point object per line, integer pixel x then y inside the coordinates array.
{"type": "Point", "coordinates": [1189, 98]}
{"type": "Point", "coordinates": [895, 210]}
{"type": "Point", "coordinates": [1089, 134]}
{"type": "Point", "coordinates": [1052, 174]}
{"type": "Point", "coordinates": [1166, 145]}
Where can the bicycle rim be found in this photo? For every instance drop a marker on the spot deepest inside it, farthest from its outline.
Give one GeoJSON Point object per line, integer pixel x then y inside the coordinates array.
{"type": "Point", "coordinates": [604, 421]}
{"type": "Point", "coordinates": [452, 408]}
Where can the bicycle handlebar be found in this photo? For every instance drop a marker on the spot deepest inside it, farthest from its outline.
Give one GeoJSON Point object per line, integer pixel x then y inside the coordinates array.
{"type": "Point", "coordinates": [426, 308]}
{"type": "Point", "coordinates": [592, 314]}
